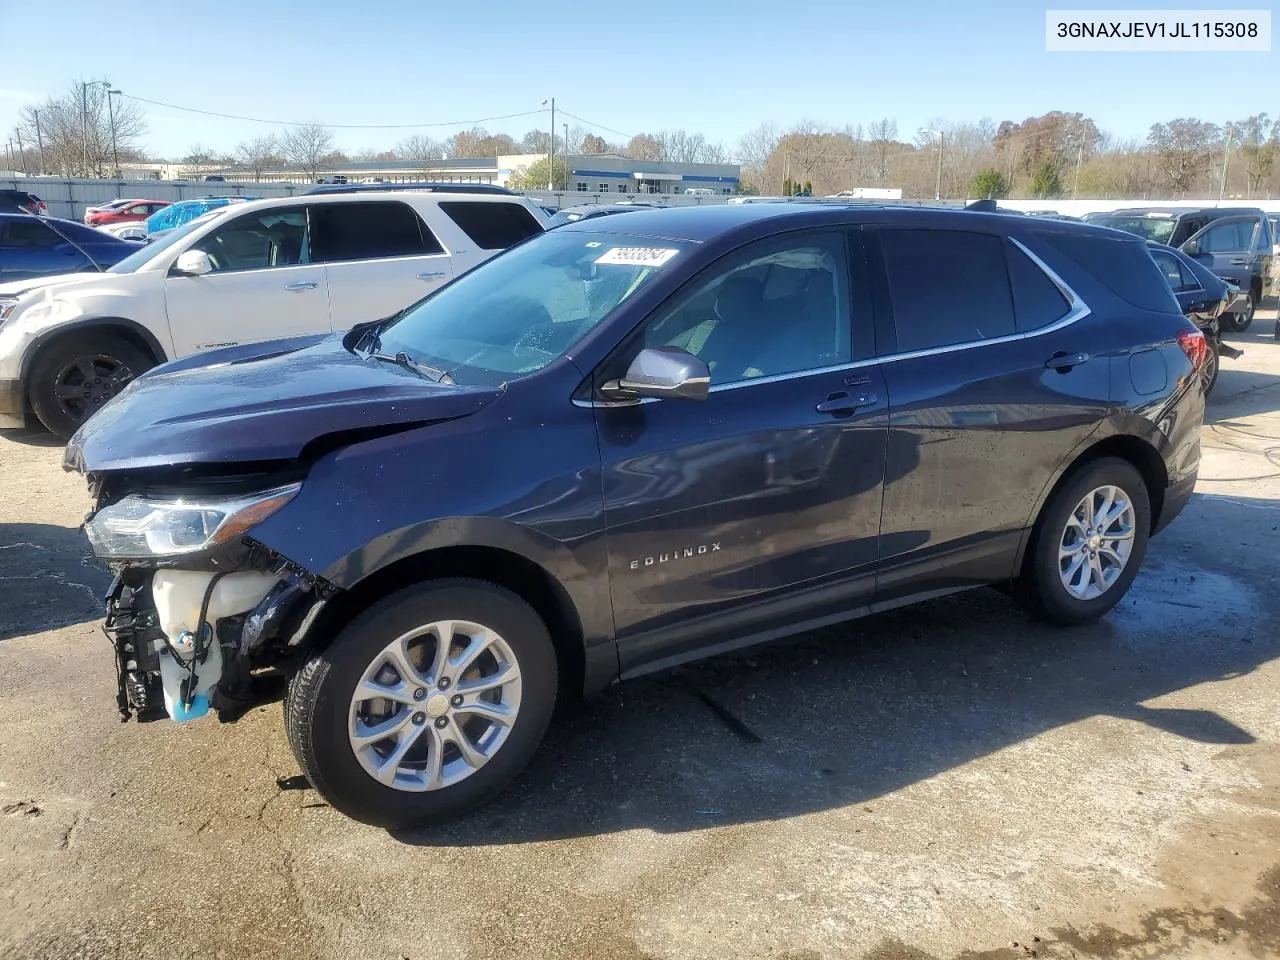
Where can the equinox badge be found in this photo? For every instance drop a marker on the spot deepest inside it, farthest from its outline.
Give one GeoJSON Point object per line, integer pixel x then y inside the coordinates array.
{"type": "Point", "coordinates": [678, 554]}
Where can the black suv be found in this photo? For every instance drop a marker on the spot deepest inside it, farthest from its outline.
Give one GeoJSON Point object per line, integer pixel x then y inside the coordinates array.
{"type": "Point", "coordinates": [1233, 242]}
{"type": "Point", "coordinates": [627, 443]}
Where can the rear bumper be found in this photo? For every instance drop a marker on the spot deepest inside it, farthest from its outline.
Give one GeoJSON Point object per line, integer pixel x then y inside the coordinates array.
{"type": "Point", "coordinates": [1176, 497]}
{"type": "Point", "coordinates": [13, 404]}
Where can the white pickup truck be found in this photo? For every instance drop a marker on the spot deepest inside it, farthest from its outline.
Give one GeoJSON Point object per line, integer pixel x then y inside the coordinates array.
{"type": "Point", "coordinates": [272, 268]}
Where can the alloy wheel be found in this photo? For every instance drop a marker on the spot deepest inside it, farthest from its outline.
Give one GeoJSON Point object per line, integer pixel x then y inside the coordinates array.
{"type": "Point", "coordinates": [1096, 542]}
{"type": "Point", "coordinates": [85, 384]}
{"type": "Point", "coordinates": [434, 706]}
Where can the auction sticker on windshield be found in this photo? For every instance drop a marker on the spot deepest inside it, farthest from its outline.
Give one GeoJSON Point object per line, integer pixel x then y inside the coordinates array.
{"type": "Point", "coordinates": [637, 256]}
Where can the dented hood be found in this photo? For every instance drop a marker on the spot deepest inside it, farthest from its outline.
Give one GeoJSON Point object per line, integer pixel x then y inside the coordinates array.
{"type": "Point", "coordinates": [264, 401]}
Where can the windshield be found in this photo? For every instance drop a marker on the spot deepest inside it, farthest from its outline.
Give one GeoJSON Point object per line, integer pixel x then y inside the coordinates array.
{"type": "Point", "coordinates": [525, 308]}
{"type": "Point", "coordinates": [1159, 229]}
{"type": "Point", "coordinates": [150, 251]}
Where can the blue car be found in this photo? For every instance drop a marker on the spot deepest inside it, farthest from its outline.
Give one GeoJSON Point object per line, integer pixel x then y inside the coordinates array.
{"type": "Point", "coordinates": [34, 247]}
{"type": "Point", "coordinates": [184, 211]}
{"type": "Point", "coordinates": [623, 444]}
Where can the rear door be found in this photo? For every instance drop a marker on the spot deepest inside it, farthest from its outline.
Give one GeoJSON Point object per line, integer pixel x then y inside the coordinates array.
{"type": "Point", "coordinates": [379, 258]}
{"type": "Point", "coordinates": [263, 284]}
{"type": "Point", "coordinates": [992, 381]}
{"type": "Point", "coordinates": [29, 248]}
{"type": "Point", "coordinates": [1227, 247]}
{"type": "Point", "coordinates": [490, 227]}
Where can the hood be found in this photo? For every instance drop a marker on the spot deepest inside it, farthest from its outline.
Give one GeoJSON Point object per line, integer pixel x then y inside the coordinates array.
{"type": "Point", "coordinates": [263, 401]}
{"type": "Point", "coordinates": [16, 287]}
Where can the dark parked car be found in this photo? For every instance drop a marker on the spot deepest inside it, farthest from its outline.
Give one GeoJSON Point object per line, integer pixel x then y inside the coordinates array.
{"type": "Point", "coordinates": [627, 443]}
{"type": "Point", "coordinates": [45, 246]}
{"type": "Point", "coordinates": [586, 211]}
{"type": "Point", "coordinates": [19, 201]}
{"type": "Point", "coordinates": [1204, 298]}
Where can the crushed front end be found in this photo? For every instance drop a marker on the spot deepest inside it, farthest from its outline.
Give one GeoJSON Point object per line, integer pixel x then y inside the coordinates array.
{"type": "Point", "coordinates": [200, 615]}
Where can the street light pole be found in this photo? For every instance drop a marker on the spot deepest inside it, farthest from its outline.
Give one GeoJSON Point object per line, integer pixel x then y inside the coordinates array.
{"type": "Point", "coordinates": [551, 147]}
{"type": "Point", "coordinates": [937, 190]}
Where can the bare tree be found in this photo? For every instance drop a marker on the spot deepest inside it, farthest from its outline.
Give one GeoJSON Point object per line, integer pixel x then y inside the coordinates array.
{"type": "Point", "coordinates": [593, 144]}
{"type": "Point", "coordinates": [258, 154]}
{"type": "Point", "coordinates": [883, 134]}
{"type": "Point", "coordinates": [1182, 150]}
{"type": "Point", "coordinates": [423, 152]}
{"type": "Point", "coordinates": [535, 141]}
{"type": "Point", "coordinates": [645, 146]}
{"type": "Point", "coordinates": [76, 130]}
{"type": "Point", "coordinates": [682, 146]}
{"type": "Point", "coordinates": [306, 147]}
{"type": "Point", "coordinates": [715, 153]}
{"type": "Point", "coordinates": [195, 160]}
{"type": "Point", "coordinates": [755, 150]}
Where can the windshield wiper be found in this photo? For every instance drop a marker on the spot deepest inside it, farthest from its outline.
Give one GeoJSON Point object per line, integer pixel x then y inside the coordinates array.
{"type": "Point", "coordinates": [402, 359]}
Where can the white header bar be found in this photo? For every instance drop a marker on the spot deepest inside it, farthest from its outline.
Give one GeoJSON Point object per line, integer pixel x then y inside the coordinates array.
{"type": "Point", "coordinates": [1141, 31]}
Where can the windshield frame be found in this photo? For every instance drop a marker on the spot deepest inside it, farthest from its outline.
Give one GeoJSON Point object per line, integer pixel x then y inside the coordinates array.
{"type": "Point", "coordinates": [469, 374]}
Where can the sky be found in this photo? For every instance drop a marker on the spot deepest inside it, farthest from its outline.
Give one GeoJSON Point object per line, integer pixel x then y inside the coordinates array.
{"type": "Point", "coordinates": [714, 67]}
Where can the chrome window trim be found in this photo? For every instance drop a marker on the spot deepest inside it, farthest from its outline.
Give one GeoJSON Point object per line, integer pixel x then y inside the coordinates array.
{"type": "Point", "coordinates": [1077, 310]}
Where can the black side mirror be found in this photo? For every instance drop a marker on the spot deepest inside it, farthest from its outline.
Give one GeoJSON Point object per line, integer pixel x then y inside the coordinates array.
{"type": "Point", "coordinates": [661, 372]}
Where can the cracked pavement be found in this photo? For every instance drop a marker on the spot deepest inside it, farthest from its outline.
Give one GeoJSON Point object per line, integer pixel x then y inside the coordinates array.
{"type": "Point", "coordinates": [945, 781]}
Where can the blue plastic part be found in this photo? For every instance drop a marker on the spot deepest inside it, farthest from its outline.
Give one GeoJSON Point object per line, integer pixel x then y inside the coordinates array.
{"type": "Point", "coordinates": [199, 708]}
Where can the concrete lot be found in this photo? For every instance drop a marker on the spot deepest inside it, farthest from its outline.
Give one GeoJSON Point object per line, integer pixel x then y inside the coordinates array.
{"type": "Point", "coordinates": [949, 781]}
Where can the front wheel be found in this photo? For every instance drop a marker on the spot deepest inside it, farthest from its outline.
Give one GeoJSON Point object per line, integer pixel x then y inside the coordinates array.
{"type": "Point", "coordinates": [74, 377]}
{"type": "Point", "coordinates": [426, 705]}
{"type": "Point", "coordinates": [1240, 321]}
{"type": "Point", "coordinates": [1088, 544]}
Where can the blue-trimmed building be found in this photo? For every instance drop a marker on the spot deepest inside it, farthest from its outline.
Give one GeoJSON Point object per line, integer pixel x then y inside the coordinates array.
{"type": "Point", "coordinates": [609, 173]}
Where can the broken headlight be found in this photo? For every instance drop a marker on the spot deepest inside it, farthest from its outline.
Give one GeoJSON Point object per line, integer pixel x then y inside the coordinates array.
{"type": "Point", "coordinates": [140, 526]}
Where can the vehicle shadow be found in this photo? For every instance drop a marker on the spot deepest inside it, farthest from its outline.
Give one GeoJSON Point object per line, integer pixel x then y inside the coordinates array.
{"type": "Point", "coordinates": [844, 715]}
{"type": "Point", "coordinates": [31, 437]}
{"type": "Point", "coordinates": [48, 579]}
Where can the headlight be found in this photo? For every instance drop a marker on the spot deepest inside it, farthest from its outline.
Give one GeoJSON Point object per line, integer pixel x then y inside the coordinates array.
{"type": "Point", "coordinates": [7, 306]}
{"type": "Point", "coordinates": [140, 526]}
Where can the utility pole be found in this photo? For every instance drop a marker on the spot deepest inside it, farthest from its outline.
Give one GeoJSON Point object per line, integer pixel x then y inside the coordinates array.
{"type": "Point", "coordinates": [22, 151]}
{"type": "Point", "coordinates": [39, 140]}
{"type": "Point", "coordinates": [1226, 158]}
{"type": "Point", "coordinates": [115, 156]}
{"type": "Point", "coordinates": [937, 190]}
{"type": "Point", "coordinates": [84, 129]}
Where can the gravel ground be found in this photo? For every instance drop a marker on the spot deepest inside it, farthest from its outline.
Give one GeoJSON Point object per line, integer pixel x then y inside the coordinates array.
{"type": "Point", "coordinates": [947, 781]}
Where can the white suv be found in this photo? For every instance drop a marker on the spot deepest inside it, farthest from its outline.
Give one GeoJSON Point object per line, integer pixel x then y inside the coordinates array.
{"type": "Point", "coordinates": [273, 268]}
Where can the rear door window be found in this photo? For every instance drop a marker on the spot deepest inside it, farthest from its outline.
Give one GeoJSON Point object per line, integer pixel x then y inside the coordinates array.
{"type": "Point", "coordinates": [30, 234]}
{"type": "Point", "coordinates": [947, 286]}
{"type": "Point", "coordinates": [369, 230]}
{"type": "Point", "coordinates": [1123, 266]}
{"type": "Point", "coordinates": [1180, 280]}
{"type": "Point", "coordinates": [493, 225]}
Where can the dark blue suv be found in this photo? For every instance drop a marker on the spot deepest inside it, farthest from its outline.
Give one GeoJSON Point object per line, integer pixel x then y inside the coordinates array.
{"type": "Point", "coordinates": [627, 443]}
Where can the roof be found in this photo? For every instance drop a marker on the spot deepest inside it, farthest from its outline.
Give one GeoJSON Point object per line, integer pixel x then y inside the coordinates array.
{"type": "Point", "coordinates": [702, 224]}
{"type": "Point", "coordinates": [360, 197]}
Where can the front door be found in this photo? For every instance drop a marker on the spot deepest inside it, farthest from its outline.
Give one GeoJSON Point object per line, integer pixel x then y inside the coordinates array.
{"type": "Point", "coordinates": [263, 285]}
{"type": "Point", "coordinates": [719, 511]}
{"type": "Point", "coordinates": [1227, 247]}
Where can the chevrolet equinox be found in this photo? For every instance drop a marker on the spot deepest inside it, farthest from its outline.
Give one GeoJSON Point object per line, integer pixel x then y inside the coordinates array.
{"type": "Point", "coordinates": [623, 444]}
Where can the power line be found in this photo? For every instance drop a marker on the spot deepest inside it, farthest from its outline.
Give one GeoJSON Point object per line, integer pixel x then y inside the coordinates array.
{"type": "Point", "coordinates": [342, 126]}
{"type": "Point", "coordinates": [598, 126]}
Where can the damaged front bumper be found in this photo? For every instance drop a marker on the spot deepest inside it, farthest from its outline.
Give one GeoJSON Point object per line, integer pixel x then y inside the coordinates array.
{"type": "Point", "coordinates": [187, 641]}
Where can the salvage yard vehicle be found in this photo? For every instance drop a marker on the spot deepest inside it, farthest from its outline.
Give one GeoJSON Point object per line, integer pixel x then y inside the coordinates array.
{"type": "Point", "coordinates": [1204, 299]}
{"type": "Point", "coordinates": [627, 443]}
{"type": "Point", "coordinates": [33, 247]}
{"type": "Point", "coordinates": [274, 268]}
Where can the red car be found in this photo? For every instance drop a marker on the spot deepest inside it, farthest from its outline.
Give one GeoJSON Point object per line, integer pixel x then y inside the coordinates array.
{"type": "Point", "coordinates": [137, 210]}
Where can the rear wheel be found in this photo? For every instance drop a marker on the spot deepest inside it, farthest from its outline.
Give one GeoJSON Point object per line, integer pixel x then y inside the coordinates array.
{"type": "Point", "coordinates": [426, 705]}
{"type": "Point", "coordinates": [1088, 544]}
{"type": "Point", "coordinates": [1211, 365]}
{"type": "Point", "coordinates": [73, 378]}
{"type": "Point", "coordinates": [1240, 321]}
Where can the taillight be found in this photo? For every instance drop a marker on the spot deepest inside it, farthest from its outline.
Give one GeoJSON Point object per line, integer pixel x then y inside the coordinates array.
{"type": "Point", "coordinates": [1195, 346]}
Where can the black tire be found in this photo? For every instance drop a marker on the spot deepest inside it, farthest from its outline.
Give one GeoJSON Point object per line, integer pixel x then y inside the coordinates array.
{"type": "Point", "coordinates": [101, 362]}
{"type": "Point", "coordinates": [1213, 362]}
{"type": "Point", "coordinates": [1040, 588]}
{"type": "Point", "coordinates": [1239, 322]}
{"type": "Point", "coordinates": [317, 709]}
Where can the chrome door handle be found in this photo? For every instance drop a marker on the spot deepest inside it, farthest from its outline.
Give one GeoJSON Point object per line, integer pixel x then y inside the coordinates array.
{"type": "Point", "coordinates": [1239, 261]}
{"type": "Point", "coordinates": [431, 276]}
{"type": "Point", "coordinates": [1062, 361]}
{"type": "Point", "coordinates": [841, 404]}
{"type": "Point", "coordinates": [301, 285]}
